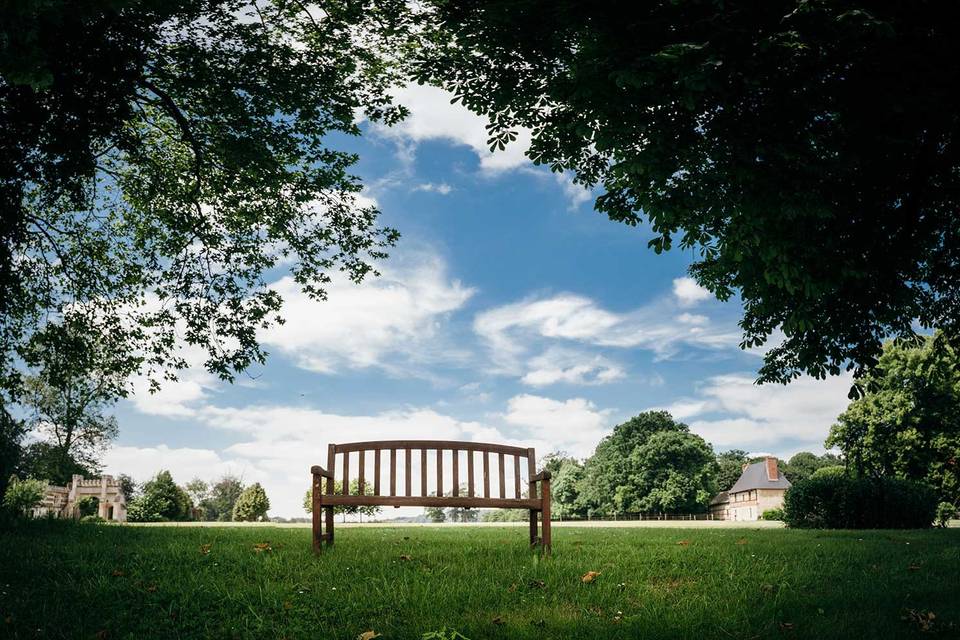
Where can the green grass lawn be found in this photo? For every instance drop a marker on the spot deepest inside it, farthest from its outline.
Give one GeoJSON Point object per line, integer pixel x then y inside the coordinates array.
{"type": "Point", "coordinates": [88, 581]}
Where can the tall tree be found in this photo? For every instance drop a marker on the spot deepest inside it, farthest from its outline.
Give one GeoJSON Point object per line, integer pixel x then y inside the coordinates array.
{"type": "Point", "coordinates": [730, 467]}
{"type": "Point", "coordinates": [802, 465]}
{"type": "Point", "coordinates": [673, 471]}
{"type": "Point", "coordinates": [908, 423]}
{"type": "Point", "coordinates": [807, 151]}
{"type": "Point", "coordinates": [609, 470]}
{"type": "Point", "coordinates": [223, 496]}
{"type": "Point", "coordinates": [567, 489]}
{"type": "Point", "coordinates": [68, 396]}
{"type": "Point", "coordinates": [161, 157]}
{"type": "Point", "coordinates": [252, 505]}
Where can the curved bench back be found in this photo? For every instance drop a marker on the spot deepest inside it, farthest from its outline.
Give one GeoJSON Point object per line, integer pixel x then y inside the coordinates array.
{"type": "Point", "coordinates": [475, 455]}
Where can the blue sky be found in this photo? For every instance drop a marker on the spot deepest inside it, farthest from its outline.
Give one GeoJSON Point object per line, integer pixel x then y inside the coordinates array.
{"type": "Point", "coordinates": [510, 311]}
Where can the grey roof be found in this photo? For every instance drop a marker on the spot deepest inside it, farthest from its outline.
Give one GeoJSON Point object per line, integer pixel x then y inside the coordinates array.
{"type": "Point", "coordinates": [755, 477]}
{"type": "Point", "coordinates": [720, 498]}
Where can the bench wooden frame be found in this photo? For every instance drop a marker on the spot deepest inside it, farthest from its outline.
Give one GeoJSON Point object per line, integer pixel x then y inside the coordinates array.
{"type": "Point", "coordinates": [325, 498]}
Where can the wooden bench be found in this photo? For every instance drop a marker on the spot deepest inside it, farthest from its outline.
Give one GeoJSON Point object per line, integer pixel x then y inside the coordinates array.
{"type": "Point", "coordinates": [402, 495]}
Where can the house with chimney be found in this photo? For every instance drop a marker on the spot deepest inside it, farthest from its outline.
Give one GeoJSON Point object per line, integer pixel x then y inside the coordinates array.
{"type": "Point", "coordinates": [760, 487]}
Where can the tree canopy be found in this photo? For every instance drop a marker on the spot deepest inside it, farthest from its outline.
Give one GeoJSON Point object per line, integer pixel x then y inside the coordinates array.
{"type": "Point", "coordinates": [807, 151]}
{"type": "Point", "coordinates": [908, 423]}
{"type": "Point", "coordinates": [159, 158]}
{"type": "Point", "coordinates": [650, 463]}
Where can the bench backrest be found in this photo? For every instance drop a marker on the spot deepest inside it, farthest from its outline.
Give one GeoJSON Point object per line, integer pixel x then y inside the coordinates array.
{"type": "Point", "coordinates": [476, 455]}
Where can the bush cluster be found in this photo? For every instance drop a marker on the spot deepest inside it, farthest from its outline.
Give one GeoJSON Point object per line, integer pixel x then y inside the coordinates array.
{"type": "Point", "coordinates": [843, 502]}
{"type": "Point", "coordinates": [772, 514]}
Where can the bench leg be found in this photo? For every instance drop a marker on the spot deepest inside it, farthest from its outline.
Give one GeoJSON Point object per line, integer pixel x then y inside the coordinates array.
{"type": "Point", "coordinates": [329, 516]}
{"type": "Point", "coordinates": [533, 527]}
{"type": "Point", "coordinates": [545, 541]}
{"type": "Point", "coordinates": [317, 507]}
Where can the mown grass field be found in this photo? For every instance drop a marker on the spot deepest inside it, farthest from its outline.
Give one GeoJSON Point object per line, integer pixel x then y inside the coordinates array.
{"type": "Point", "coordinates": [88, 581]}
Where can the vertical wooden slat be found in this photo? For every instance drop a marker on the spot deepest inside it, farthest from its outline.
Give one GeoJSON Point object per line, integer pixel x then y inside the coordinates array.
{"type": "Point", "coordinates": [331, 462]}
{"type": "Point", "coordinates": [376, 472]}
{"type": "Point", "coordinates": [423, 472]}
{"type": "Point", "coordinates": [532, 492]}
{"type": "Point", "coordinates": [486, 474]}
{"type": "Point", "coordinates": [470, 453]}
{"type": "Point", "coordinates": [532, 471]}
{"type": "Point", "coordinates": [456, 472]}
{"type": "Point", "coordinates": [516, 477]}
{"type": "Point", "coordinates": [346, 473]}
{"type": "Point", "coordinates": [407, 471]}
{"type": "Point", "coordinates": [439, 472]}
{"type": "Point", "coordinates": [393, 472]}
{"type": "Point", "coordinates": [361, 483]}
{"type": "Point", "coordinates": [503, 482]}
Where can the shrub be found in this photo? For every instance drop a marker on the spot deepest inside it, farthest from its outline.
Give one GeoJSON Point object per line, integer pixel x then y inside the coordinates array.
{"type": "Point", "coordinates": [772, 514]}
{"type": "Point", "coordinates": [842, 502]}
{"type": "Point", "coordinates": [87, 506]}
{"type": "Point", "coordinates": [829, 472]}
{"type": "Point", "coordinates": [23, 495]}
{"type": "Point", "coordinates": [161, 500]}
{"type": "Point", "coordinates": [252, 505]}
{"type": "Point", "coordinates": [945, 511]}
{"type": "Point", "coordinates": [92, 519]}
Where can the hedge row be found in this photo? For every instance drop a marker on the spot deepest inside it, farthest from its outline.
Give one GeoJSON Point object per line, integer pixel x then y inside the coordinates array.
{"type": "Point", "coordinates": [843, 502]}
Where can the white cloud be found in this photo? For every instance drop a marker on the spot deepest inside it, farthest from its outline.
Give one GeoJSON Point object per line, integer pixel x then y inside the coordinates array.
{"type": "Point", "coordinates": [734, 412]}
{"type": "Point", "coordinates": [431, 187]}
{"type": "Point", "coordinates": [688, 292]}
{"type": "Point", "coordinates": [434, 117]}
{"type": "Point", "coordinates": [575, 425]}
{"type": "Point", "coordinates": [571, 367]}
{"type": "Point", "coordinates": [512, 330]}
{"type": "Point", "coordinates": [184, 464]}
{"type": "Point", "coordinates": [382, 322]}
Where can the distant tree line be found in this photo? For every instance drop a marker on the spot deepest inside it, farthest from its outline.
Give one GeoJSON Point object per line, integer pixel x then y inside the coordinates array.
{"type": "Point", "coordinates": [226, 500]}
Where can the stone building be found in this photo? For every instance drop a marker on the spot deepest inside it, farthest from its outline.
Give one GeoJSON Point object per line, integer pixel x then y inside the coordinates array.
{"type": "Point", "coordinates": [61, 502]}
{"type": "Point", "coordinates": [760, 487]}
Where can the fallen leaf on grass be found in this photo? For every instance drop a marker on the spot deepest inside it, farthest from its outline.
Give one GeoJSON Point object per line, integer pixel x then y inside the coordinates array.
{"type": "Point", "coordinates": [684, 543]}
{"type": "Point", "coordinates": [742, 541]}
{"type": "Point", "coordinates": [618, 618]}
{"type": "Point", "coordinates": [262, 546]}
{"type": "Point", "coordinates": [498, 620]}
{"type": "Point", "coordinates": [922, 619]}
{"type": "Point", "coordinates": [205, 549]}
{"type": "Point", "coordinates": [287, 605]}
{"type": "Point", "coordinates": [117, 573]}
{"type": "Point", "coordinates": [151, 588]}
{"type": "Point", "coordinates": [406, 558]}
{"type": "Point", "coordinates": [103, 633]}
{"type": "Point", "coordinates": [786, 626]}
{"type": "Point", "coordinates": [368, 635]}
{"type": "Point", "coordinates": [768, 588]}
{"type": "Point", "coordinates": [914, 567]}
{"type": "Point", "coordinates": [537, 584]}
{"type": "Point", "coordinates": [589, 576]}
{"type": "Point", "coordinates": [512, 588]}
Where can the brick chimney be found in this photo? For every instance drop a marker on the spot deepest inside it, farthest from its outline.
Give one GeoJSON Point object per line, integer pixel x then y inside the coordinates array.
{"type": "Point", "coordinates": [772, 472]}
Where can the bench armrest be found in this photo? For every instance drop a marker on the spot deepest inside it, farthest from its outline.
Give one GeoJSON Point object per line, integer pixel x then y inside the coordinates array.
{"type": "Point", "coordinates": [317, 470]}
{"type": "Point", "coordinates": [543, 475]}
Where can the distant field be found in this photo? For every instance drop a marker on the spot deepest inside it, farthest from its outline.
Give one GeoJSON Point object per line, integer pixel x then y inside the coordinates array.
{"type": "Point", "coordinates": [84, 581]}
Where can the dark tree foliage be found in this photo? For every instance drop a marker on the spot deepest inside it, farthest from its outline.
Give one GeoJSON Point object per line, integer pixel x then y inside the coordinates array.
{"type": "Point", "coordinates": [730, 464]}
{"type": "Point", "coordinates": [907, 424]}
{"type": "Point", "coordinates": [50, 462]}
{"type": "Point", "coordinates": [845, 502]}
{"type": "Point", "coordinates": [807, 150]}
{"type": "Point", "coordinates": [159, 157]}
